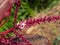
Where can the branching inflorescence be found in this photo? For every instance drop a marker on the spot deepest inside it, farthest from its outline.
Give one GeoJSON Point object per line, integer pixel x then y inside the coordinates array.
{"type": "Point", "coordinates": [30, 22]}
{"type": "Point", "coordinates": [26, 23]}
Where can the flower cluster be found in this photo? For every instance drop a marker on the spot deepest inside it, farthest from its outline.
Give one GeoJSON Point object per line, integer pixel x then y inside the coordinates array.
{"type": "Point", "coordinates": [23, 24]}
{"type": "Point", "coordinates": [42, 19]}
{"type": "Point", "coordinates": [30, 22]}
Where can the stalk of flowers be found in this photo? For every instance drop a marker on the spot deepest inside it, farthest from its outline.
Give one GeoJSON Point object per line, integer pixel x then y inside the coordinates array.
{"type": "Point", "coordinates": [42, 19]}
{"type": "Point", "coordinates": [30, 22]}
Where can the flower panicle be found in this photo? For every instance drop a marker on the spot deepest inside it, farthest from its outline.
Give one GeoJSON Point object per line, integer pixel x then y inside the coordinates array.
{"type": "Point", "coordinates": [30, 22]}
{"type": "Point", "coordinates": [42, 19]}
